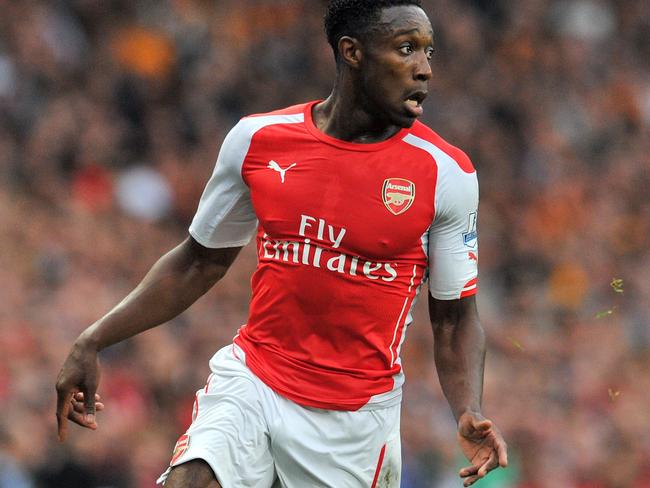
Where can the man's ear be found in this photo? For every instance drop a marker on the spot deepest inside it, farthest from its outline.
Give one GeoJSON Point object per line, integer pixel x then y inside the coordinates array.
{"type": "Point", "coordinates": [350, 51]}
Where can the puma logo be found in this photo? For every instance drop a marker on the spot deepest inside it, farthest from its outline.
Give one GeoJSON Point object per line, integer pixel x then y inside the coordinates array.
{"type": "Point", "coordinates": [276, 167]}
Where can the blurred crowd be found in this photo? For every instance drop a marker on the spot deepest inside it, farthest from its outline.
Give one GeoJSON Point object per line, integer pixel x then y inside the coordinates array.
{"type": "Point", "coordinates": [111, 116]}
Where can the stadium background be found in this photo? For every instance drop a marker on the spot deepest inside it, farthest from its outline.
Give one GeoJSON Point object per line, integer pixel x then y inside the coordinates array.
{"type": "Point", "coordinates": [111, 115]}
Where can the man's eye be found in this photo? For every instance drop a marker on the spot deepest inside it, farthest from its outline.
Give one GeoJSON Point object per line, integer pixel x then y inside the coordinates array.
{"type": "Point", "coordinates": [406, 49]}
{"type": "Point", "coordinates": [430, 53]}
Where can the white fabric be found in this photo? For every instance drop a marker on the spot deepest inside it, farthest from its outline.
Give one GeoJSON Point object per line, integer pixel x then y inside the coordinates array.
{"type": "Point", "coordinates": [253, 437]}
{"type": "Point", "coordinates": [225, 217]}
{"type": "Point", "coordinates": [450, 267]}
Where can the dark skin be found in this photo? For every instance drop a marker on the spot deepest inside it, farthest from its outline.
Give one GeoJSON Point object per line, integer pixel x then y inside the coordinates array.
{"type": "Point", "coordinates": [374, 79]}
{"type": "Point", "coordinates": [380, 84]}
{"type": "Point", "coordinates": [175, 282]}
{"type": "Point", "coordinates": [459, 352]}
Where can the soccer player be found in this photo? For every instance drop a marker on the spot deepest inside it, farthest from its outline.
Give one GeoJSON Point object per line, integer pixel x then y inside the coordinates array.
{"type": "Point", "coordinates": [354, 204]}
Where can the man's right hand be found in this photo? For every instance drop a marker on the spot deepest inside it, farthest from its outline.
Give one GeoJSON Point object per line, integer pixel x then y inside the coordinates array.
{"type": "Point", "coordinates": [174, 283]}
{"type": "Point", "coordinates": [76, 387]}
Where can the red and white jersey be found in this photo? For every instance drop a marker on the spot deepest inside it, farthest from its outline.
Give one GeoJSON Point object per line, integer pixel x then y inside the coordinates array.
{"type": "Point", "coordinates": [346, 235]}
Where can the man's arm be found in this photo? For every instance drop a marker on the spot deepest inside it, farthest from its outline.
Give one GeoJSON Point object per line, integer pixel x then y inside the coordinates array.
{"type": "Point", "coordinates": [174, 283]}
{"type": "Point", "coordinates": [459, 351]}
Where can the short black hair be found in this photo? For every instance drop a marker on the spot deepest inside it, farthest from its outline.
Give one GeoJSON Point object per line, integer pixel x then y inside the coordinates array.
{"type": "Point", "coordinates": [355, 18]}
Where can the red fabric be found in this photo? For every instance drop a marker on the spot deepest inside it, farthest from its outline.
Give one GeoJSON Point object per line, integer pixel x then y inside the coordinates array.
{"type": "Point", "coordinates": [380, 461]}
{"type": "Point", "coordinates": [333, 236]}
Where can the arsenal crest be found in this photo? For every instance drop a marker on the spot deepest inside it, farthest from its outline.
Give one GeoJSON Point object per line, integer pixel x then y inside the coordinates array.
{"type": "Point", "coordinates": [398, 195]}
{"type": "Point", "coordinates": [180, 448]}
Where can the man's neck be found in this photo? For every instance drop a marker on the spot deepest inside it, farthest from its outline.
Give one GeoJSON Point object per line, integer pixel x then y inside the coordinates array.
{"type": "Point", "coordinates": [343, 117]}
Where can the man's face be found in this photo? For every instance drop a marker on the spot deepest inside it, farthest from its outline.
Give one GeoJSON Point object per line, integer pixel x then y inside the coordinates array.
{"type": "Point", "coordinates": [395, 69]}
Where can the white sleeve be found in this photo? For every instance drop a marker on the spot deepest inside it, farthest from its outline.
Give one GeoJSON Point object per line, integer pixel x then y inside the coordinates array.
{"type": "Point", "coordinates": [225, 217]}
{"type": "Point", "coordinates": [452, 238]}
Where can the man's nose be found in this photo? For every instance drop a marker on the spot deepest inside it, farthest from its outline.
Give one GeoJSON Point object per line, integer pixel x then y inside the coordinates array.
{"type": "Point", "coordinates": [423, 68]}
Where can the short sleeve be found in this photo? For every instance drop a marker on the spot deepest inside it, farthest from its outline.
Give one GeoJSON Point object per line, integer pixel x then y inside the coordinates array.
{"type": "Point", "coordinates": [225, 217]}
{"type": "Point", "coordinates": [452, 238]}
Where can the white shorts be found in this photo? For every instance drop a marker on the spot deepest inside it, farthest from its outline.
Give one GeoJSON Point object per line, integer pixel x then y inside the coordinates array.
{"type": "Point", "coordinates": [253, 437]}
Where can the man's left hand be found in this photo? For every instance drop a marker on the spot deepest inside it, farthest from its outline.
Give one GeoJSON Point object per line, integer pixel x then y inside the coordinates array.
{"type": "Point", "coordinates": [483, 446]}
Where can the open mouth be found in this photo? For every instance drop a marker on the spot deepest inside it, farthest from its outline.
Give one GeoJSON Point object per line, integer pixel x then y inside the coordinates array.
{"type": "Point", "coordinates": [414, 102]}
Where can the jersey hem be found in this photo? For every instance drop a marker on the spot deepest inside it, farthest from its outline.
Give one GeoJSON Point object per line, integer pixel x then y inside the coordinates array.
{"type": "Point", "coordinates": [394, 397]}
{"type": "Point", "coordinates": [219, 245]}
{"type": "Point", "coordinates": [464, 294]}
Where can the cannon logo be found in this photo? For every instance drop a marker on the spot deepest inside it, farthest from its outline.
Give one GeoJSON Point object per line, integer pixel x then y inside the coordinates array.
{"type": "Point", "coordinates": [398, 195]}
{"type": "Point", "coordinates": [179, 449]}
